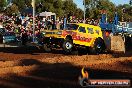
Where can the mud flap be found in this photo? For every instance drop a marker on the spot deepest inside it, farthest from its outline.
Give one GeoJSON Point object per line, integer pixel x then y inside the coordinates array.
{"type": "Point", "coordinates": [117, 44]}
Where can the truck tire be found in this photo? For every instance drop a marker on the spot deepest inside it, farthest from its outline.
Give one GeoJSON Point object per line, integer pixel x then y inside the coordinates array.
{"type": "Point", "coordinates": [68, 46]}
{"type": "Point", "coordinates": [46, 48]}
{"type": "Point", "coordinates": [99, 46]}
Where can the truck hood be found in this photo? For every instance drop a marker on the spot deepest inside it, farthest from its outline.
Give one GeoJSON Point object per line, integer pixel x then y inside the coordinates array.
{"type": "Point", "coordinates": [56, 31]}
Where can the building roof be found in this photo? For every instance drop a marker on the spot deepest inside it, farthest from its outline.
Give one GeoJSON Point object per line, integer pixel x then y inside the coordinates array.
{"type": "Point", "coordinates": [46, 14]}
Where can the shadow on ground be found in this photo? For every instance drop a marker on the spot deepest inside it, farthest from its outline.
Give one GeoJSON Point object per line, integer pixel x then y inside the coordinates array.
{"type": "Point", "coordinates": [35, 51]}
{"type": "Point", "coordinates": [58, 75]}
{"type": "Point", "coordinates": [26, 50]}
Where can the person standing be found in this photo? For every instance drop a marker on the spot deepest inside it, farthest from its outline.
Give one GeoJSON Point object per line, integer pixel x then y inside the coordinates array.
{"type": "Point", "coordinates": [24, 37]}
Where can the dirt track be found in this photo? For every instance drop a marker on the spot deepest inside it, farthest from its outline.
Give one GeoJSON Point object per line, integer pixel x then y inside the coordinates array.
{"type": "Point", "coordinates": [32, 68]}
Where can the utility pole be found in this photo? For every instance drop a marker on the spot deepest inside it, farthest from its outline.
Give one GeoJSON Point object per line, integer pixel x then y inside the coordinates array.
{"type": "Point", "coordinates": [84, 3]}
{"type": "Point", "coordinates": [123, 11]}
{"type": "Point", "coordinates": [33, 5]}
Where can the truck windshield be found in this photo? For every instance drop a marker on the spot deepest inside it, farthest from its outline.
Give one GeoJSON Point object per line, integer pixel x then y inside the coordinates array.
{"type": "Point", "coordinates": [72, 26]}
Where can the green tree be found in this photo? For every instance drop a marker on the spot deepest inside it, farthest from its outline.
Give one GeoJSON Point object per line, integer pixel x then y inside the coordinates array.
{"type": "Point", "coordinates": [28, 3]}
{"type": "Point", "coordinates": [3, 4]}
{"type": "Point", "coordinates": [12, 9]}
{"type": "Point", "coordinates": [94, 8]}
{"type": "Point", "coordinates": [58, 7]}
{"type": "Point", "coordinates": [20, 3]}
{"type": "Point", "coordinates": [91, 3]}
{"type": "Point", "coordinates": [47, 7]}
{"type": "Point", "coordinates": [108, 6]}
{"type": "Point", "coordinates": [79, 13]}
{"type": "Point", "coordinates": [130, 2]}
{"type": "Point", "coordinates": [69, 7]}
{"type": "Point", "coordinates": [124, 12]}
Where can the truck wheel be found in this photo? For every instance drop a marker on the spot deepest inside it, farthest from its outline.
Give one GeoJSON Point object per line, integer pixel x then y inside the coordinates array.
{"type": "Point", "coordinates": [99, 46]}
{"type": "Point", "coordinates": [68, 46]}
{"type": "Point", "coordinates": [46, 48]}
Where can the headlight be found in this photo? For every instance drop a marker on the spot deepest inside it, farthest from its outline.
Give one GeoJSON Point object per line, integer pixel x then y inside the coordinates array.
{"type": "Point", "coordinates": [3, 37]}
{"type": "Point", "coordinates": [44, 33]}
{"type": "Point", "coordinates": [125, 29]}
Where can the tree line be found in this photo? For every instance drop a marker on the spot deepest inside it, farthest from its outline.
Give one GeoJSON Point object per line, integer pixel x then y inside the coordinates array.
{"type": "Point", "coordinates": [94, 8]}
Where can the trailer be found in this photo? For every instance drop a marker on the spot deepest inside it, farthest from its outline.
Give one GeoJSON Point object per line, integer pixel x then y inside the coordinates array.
{"type": "Point", "coordinates": [117, 35]}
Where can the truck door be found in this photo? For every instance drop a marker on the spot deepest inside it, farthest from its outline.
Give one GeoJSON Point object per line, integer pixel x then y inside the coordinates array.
{"type": "Point", "coordinates": [81, 36]}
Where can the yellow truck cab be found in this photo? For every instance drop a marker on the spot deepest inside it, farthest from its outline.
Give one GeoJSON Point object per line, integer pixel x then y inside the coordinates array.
{"type": "Point", "coordinates": [75, 35]}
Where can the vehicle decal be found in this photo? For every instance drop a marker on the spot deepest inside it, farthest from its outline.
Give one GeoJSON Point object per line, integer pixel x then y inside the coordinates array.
{"type": "Point", "coordinates": [75, 37]}
{"type": "Point", "coordinates": [82, 39]}
{"type": "Point", "coordinates": [65, 33]}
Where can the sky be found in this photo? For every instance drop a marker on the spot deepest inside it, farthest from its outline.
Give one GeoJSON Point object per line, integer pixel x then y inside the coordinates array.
{"type": "Point", "coordinates": [117, 2]}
